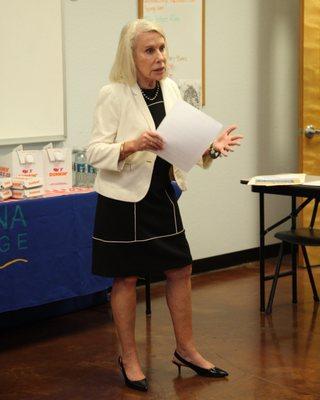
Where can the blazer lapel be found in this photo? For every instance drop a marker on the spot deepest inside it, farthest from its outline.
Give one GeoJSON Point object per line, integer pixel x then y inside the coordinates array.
{"type": "Point", "coordinates": [142, 106]}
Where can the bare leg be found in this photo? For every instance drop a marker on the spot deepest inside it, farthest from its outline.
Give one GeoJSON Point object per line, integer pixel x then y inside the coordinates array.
{"type": "Point", "coordinates": [178, 293]}
{"type": "Point", "coordinates": [123, 303]}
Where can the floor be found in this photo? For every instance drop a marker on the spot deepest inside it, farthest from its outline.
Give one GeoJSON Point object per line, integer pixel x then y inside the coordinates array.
{"type": "Point", "coordinates": [73, 357]}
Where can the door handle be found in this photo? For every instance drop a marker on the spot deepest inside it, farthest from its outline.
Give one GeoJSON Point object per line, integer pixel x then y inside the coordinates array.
{"type": "Point", "coordinates": [310, 131]}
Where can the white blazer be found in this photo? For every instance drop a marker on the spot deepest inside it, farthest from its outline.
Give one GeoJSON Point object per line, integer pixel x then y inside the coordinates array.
{"type": "Point", "coordinates": [122, 114]}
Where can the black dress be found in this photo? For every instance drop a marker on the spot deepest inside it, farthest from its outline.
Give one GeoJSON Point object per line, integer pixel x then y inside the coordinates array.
{"type": "Point", "coordinates": [146, 236]}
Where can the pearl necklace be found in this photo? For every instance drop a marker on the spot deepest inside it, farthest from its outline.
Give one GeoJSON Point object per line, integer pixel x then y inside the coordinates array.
{"type": "Point", "coordinates": [151, 98]}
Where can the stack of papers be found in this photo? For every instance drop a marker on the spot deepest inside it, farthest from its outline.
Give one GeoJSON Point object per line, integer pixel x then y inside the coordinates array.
{"type": "Point", "coordinates": [278, 180]}
{"type": "Point", "coordinates": [312, 183]}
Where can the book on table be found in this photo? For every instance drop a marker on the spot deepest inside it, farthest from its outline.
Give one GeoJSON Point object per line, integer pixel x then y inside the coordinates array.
{"type": "Point", "coordinates": [278, 180]}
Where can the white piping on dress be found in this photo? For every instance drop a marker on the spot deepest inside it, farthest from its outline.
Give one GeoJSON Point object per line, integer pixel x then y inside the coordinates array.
{"type": "Point", "coordinates": [137, 240]}
{"type": "Point", "coordinates": [174, 211]}
{"type": "Point", "coordinates": [135, 221]}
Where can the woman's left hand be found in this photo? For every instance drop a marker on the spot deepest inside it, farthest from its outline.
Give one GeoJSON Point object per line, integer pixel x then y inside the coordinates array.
{"type": "Point", "coordinates": [225, 141]}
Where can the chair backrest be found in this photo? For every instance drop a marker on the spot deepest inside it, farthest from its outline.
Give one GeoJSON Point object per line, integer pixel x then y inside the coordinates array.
{"type": "Point", "coordinates": [314, 212]}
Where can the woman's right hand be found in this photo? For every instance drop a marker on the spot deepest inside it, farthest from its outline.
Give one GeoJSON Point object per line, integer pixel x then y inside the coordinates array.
{"type": "Point", "coordinates": [149, 140]}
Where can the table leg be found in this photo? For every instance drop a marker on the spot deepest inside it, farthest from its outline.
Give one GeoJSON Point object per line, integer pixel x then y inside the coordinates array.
{"type": "Point", "coordinates": [294, 252]}
{"type": "Point", "coordinates": [261, 252]}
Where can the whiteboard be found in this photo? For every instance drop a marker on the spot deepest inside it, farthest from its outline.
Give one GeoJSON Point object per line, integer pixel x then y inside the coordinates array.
{"type": "Point", "coordinates": [31, 71]}
{"type": "Point", "coordinates": [183, 24]}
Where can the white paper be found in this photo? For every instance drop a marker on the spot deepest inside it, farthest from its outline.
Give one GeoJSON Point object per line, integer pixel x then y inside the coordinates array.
{"type": "Point", "coordinates": [277, 180]}
{"type": "Point", "coordinates": [312, 183]}
{"type": "Point", "coordinates": [187, 133]}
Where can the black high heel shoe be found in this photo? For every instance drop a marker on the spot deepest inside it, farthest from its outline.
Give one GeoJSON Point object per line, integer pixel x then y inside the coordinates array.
{"type": "Point", "coordinates": [214, 372]}
{"type": "Point", "coordinates": [141, 385]}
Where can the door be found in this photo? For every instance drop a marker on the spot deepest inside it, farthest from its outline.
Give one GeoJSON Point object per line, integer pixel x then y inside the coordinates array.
{"type": "Point", "coordinates": [309, 145]}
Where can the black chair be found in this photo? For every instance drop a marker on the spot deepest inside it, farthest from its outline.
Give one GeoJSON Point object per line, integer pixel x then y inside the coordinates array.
{"type": "Point", "coordinates": [147, 278]}
{"type": "Point", "coordinates": [296, 237]}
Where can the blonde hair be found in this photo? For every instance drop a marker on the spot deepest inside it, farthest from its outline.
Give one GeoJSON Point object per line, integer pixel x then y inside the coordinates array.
{"type": "Point", "coordinates": [124, 68]}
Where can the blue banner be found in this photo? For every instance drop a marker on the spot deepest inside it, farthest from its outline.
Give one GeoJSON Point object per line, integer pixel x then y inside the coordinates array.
{"type": "Point", "coordinates": [45, 250]}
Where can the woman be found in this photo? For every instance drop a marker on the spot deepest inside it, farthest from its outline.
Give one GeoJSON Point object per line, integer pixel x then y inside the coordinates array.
{"type": "Point", "coordinates": [138, 227]}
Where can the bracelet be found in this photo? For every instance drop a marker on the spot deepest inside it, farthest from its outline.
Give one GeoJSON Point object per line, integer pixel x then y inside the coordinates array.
{"type": "Point", "coordinates": [214, 153]}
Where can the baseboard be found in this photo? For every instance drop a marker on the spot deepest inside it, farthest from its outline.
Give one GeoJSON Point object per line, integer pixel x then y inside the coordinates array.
{"type": "Point", "coordinates": [226, 260]}
{"type": "Point", "coordinates": [235, 258]}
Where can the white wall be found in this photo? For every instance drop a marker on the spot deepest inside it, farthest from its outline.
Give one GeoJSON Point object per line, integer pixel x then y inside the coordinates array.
{"type": "Point", "coordinates": [92, 30]}
{"type": "Point", "coordinates": [252, 78]}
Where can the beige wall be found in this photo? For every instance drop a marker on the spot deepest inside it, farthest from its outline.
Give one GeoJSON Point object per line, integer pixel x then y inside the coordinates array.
{"type": "Point", "coordinates": [252, 77]}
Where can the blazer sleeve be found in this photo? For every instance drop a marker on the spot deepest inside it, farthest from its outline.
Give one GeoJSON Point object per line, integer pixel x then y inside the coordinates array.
{"type": "Point", "coordinates": [103, 151]}
{"type": "Point", "coordinates": [205, 162]}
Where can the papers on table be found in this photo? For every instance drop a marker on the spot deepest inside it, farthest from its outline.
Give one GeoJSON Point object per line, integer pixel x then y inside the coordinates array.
{"type": "Point", "coordinates": [278, 180]}
{"type": "Point", "coordinates": [312, 183]}
{"type": "Point", "coordinates": [187, 133]}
